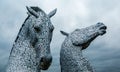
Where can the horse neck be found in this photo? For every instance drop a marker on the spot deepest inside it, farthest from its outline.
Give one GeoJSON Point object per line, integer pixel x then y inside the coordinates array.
{"type": "Point", "coordinates": [23, 55]}
{"type": "Point", "coordinates": [75, 51]}
{"type": "Point", "coordinates": [76, 59]}
{"type": "Point", "coordinates": [21, 40]}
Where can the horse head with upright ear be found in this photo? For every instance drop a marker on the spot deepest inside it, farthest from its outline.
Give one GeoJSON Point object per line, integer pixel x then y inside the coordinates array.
{"type": "Point", "coordinates": [31, 50]}
{"type": "Point", "coordinates": [83, 37]}
{"type": "Point", "coordinates": [71, 59]}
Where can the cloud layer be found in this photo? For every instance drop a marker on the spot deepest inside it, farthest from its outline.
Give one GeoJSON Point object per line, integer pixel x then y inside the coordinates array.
{"type": "Point", "coordinates": [103, 53]}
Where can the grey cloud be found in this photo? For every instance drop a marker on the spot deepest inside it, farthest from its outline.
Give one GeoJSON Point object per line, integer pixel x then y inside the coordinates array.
{"type": "Point", "coordinates": [103, 53]}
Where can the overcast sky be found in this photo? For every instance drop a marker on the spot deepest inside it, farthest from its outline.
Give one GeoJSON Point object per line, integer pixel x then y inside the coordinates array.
{"type": "Point", "coordinates": [103, 53]}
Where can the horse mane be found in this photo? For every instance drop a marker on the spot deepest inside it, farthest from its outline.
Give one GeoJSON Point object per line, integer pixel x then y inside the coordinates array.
{"type": "Point", "coordinates": [21, 28]}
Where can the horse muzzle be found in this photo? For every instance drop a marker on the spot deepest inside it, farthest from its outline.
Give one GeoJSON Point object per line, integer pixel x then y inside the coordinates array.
{"type": "Point", "coordinates": [45, 62]}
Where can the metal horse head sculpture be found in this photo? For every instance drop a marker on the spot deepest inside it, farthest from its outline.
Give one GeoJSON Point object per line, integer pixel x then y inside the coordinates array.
{"type": "Point", "coordinates": [83, 37]}
{"type": "Point", "coordinates": [71, 58]}
{"type": "Point", "coordinates": [31, 50]}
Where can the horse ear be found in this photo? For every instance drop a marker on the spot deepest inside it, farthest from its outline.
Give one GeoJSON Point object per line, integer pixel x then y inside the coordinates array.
{"type": "Point", "coordinates": [52, 13]}
{"type": "Point", "coordinates": [64, 33]}
{"type": "Point", "coordinates": [32, 12]}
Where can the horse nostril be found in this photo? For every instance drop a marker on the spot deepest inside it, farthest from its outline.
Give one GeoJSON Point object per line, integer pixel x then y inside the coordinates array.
{"type": "Point", "coordinates": [46, 59]}
{"type": "Point", "coordinates": [105, 27]}
{"type": "Point", "coordinates": [42, 59]}
{"type": "Point", "coordinates": [99, 24]}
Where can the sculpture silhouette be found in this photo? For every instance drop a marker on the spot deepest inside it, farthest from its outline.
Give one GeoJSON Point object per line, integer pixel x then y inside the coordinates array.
{"type": "Point", "coordinates": [71, 58]}
{"type": "Point", "coordinates": [31, 49]}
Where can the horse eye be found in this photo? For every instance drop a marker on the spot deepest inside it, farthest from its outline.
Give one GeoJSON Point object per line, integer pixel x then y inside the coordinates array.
{"type": "Point", "coordinates": [37, 29]}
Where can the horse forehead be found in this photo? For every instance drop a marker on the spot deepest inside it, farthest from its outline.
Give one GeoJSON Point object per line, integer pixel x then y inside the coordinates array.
{"type": "Point", "coordinates": [45, 21]}
{"type": "Point", "coordinates": [47, 24]}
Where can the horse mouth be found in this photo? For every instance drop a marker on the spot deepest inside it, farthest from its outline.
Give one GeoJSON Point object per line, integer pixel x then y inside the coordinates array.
{"type": "Point", "coordinates": [44, 66]}
{"type": "Point", "coordinates": [45, 63]}
{"type": "Point", "coordinates": [102, 30]}
{"type": "Point", "coordinates": [103, 27]}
